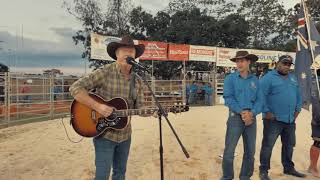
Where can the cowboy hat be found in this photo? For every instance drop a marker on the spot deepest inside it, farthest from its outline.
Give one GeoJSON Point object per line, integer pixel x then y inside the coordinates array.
{"type": "Point", "coordinates": [125, 41]}
{"type": "Point", "coordinates": [245, 55]}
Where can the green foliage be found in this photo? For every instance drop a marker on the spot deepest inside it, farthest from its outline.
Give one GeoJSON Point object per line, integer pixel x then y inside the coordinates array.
{"type": "Point", "coordinates": [261, 24]}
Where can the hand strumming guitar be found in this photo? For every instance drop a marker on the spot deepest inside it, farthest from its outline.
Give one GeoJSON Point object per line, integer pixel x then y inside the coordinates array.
{"type": "Point", "coordinates": [103, 109]}
{"type": "Point", "coordinates": [84, 98]}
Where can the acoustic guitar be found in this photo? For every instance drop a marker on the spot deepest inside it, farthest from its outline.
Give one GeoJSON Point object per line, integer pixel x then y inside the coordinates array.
{"type": "Point", "coordinates": [89, 123]}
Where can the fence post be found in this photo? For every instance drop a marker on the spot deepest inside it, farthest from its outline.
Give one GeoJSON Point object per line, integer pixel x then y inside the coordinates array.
{"type": "Point", "coordinates": [183, 88]}
{"type": "Point", "coordinates": [5, 109]}
{"type": "Point", "coordinates": [43, 89]}
{"type": "Point", "coordinates": [153, 86]}
{"type": "Point", "coordinates": [8, 85]}
{"type": "Point", "coordinates": [62, 89]}
{"type": "Point", "coordinates": [51, 84]}
{"type": "Point", "coordinates": [213, 85]}
{"type": "Point", "coordinates": [17, 97]}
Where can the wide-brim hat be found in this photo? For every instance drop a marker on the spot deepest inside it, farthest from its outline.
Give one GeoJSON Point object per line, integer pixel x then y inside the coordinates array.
{"type": "Point", "coordinates": [245, 55]}
{"type": "Point", "coordinates": [126, 41]}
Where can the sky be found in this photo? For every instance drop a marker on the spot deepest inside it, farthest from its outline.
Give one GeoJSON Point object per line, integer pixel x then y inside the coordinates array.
{"type": "Point", "coordinates": [47, 29]}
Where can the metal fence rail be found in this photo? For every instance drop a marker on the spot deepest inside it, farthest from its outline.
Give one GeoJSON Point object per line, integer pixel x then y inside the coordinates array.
{"type": "Point", "coordinates": [28, 98]}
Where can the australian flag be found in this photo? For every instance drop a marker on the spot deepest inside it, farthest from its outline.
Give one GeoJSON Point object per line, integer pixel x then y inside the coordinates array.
{"type": "Point", "coordinates": [303, 61]}
{"type": "Point", "coordinates": [307, 80]}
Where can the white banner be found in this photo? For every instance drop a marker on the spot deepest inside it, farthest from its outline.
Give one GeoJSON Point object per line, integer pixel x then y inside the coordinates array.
{"type": "Point", "coordinates": [196, 53]}
{"type": "Point", "coordinates": [99, 45]}
{"type": "Point", "coordinates": [265, 56]}
{"type": "Point", "coordinates": [224, 55]}
{"type": "Point", "coordinates": [202, 53]}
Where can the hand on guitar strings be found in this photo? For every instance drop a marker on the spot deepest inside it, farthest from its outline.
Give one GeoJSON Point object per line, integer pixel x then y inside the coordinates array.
{"type": "Point", "coordinates": [104, 110]}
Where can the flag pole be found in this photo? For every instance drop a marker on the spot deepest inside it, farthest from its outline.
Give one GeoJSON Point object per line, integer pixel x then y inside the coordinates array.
{"type": "Point", "coordinates": [306, 15]}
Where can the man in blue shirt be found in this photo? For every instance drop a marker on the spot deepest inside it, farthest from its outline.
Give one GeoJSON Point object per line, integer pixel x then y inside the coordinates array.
{"type": "Point", "coordinates": [282, 105]}
{"type": "Point", "coordinates": [188, 86]}
{"type": "Point", "coordinates": [242, 95]}
{"type": "Point", "coordinates": [193, 92]}
{"type": "Point", "coordinates": [208, 94]}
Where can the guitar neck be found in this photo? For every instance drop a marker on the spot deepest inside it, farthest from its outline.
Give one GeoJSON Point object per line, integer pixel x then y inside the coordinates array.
{"type": "Point", "coordinates": [132, 112]}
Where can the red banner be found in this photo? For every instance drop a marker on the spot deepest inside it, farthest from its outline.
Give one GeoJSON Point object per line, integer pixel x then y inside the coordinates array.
{"type": "Point", "coordinates": [154, 50]}
{"type": "Point", "coordinates": [179, 52]}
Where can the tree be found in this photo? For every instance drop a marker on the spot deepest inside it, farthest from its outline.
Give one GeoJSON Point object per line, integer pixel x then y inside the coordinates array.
{"type": "Point", "coordinates": [214, 8]}
{"type": "Point", "coordinates": [234, 31]}
{"type": "Point", "coordinates": [111, 21]}
{"type": "Point", "coordinates": [119, 11]}
{"type": "Point", "coordinates": [266, 19]}
{"type": "Point", "coordinates": [314, 6]}
{"type": "Point", "coordinates": [289, 40]}
{"type": "Point", "coordinates": [196, 26]}
{"type": "Point", "coordinates": [52, 72]}
{"type": "Point", "coordinates": [189, 27]}
{"type": "Point", "coordinates": [141, 23]}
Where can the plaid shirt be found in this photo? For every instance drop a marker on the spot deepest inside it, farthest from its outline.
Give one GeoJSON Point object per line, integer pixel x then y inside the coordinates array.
{"type": "Point", "coordinates": [109, 83]}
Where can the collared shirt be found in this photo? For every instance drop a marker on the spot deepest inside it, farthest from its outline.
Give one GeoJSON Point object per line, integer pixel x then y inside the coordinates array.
{"type": "Point", "coordinates": [110, 83]}
{"type": "Point", "coordinates": [282, 96]}
{"type": "Point", "coordinates": [242, 94]}
{"type": "Point", "coordinates": [193, 88]}
{"type": "Point", "coordinates": [208, 90]}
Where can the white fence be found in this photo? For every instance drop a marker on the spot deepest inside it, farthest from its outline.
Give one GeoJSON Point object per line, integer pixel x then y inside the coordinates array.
{"type": "Point", "coordinates": [30, 98]}
{"type": "Point", "coordinates": [25, 98]}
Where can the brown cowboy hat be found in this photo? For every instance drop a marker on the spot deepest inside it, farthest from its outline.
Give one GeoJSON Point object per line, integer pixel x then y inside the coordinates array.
{"type": "Point", "coordinates": [245, 55]}
{"type": "Point", "coordinates": [126, 41]}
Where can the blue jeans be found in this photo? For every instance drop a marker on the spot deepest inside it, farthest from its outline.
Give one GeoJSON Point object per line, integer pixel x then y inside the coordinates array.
{"type": "Point", "coordinates": [192, 97]}
{"type": "Point", "coordinates": [271, 131]}
{"type": "Point", "coordinates": [27, 98]}
{"type": "Point", "coordinates": [235, 129]}
{"type": "Point", "coordinates": [111, 154]}
{"type": "Point", "coordinates": [208, 99]}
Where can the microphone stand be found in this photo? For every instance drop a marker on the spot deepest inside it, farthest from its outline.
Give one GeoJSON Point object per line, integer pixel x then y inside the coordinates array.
{"type": "Point", "coordinates": [161, 112]}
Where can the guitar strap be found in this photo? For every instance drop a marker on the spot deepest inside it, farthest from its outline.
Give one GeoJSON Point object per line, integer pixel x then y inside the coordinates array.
{"type": "Point", "coordinates": [132, 91]}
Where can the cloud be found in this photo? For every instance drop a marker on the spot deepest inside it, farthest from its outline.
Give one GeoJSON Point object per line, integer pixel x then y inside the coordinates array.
{"type": "Point", "coordinates": [60, 52]}
{"type": "Point", "coordinates": [64, 32]}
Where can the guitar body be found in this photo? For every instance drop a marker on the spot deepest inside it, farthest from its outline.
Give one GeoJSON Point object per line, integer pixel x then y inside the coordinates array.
{"type": "Point", "coordinates": [89, 123]}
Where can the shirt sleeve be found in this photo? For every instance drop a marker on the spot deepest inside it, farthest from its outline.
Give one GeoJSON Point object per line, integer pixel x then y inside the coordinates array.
{"type": "Point", "coordinates": [88, 82]}
{"type": "Point", "coordinates": [229, 96]}
{"type": "Point", "coordinates": [258, 105]}
{"type": "Point", "coordinates": [265, 85]}
{"type": "Point", "coordinates": [299, 100]}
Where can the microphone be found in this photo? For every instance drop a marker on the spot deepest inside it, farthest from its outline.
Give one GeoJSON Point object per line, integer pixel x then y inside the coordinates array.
{"type": "Point", "coordinates": [131, 61]}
